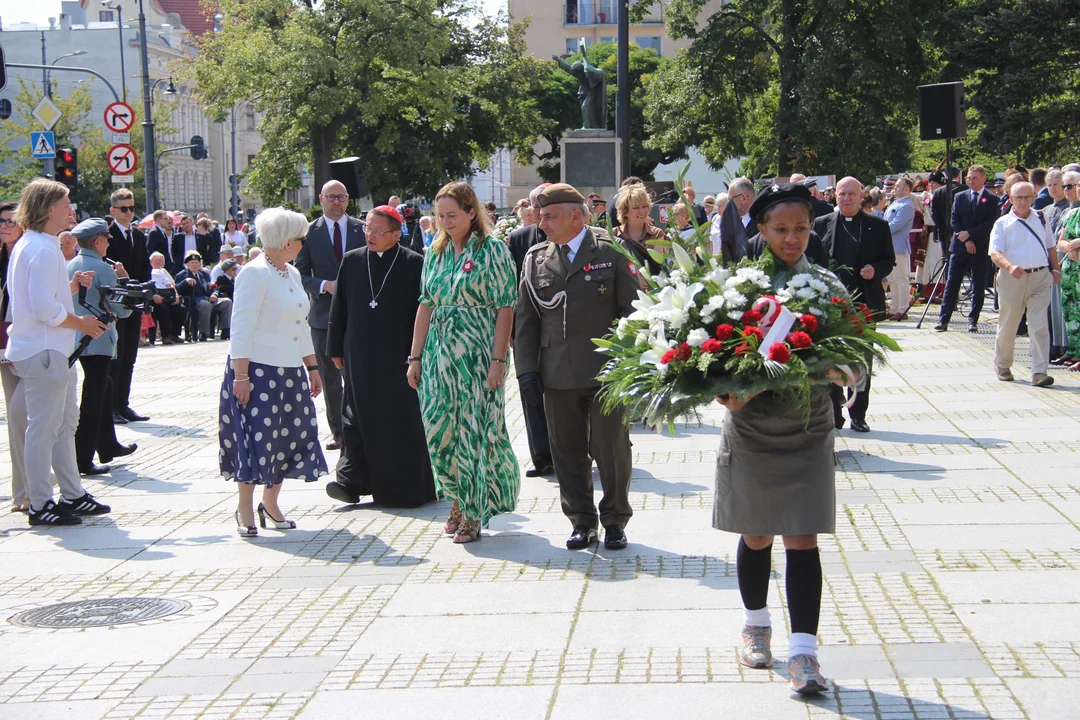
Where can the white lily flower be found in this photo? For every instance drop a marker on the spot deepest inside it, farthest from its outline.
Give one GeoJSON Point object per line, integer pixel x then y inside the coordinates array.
{"type": "Point", "coordinates": [696, 337]}
{"type": "Point", "coordinates": [658, 347]}
{"type": "Point", "coordinates": [683, 258]}
{"type": "Point", "coordinates": [718, 275]}
{"type": "Point", "coordinates": [676, 302]}
{"type": "Point", "coordinates": [642, 306]}
{"type": "Point", "coordinates": [622, 330]}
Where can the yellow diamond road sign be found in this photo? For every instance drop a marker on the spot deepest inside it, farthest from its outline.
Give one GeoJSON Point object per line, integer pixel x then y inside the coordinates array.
{"type": "Point", "coordinates": [47, 113]}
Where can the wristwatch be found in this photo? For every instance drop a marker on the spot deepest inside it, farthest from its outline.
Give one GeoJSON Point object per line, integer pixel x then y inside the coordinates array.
{"type": "Point", "coordinates": [411, 359]}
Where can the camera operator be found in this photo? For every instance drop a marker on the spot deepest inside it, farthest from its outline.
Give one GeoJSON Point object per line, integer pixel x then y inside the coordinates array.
{"type": "Point", "coordinates": [128, 246]}
{"type": "Point", "coordinates": [169, 312]}
{"type": "Point", "coordinates": [96, 429]}
{"type": "Point", "coordinates": [194, 284]}
{"type": "Point", "coordinates": [41, 336]}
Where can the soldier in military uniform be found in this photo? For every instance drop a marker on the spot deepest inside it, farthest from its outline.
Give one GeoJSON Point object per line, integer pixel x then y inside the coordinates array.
{"type": "Point", "coordinates": [573, 289]}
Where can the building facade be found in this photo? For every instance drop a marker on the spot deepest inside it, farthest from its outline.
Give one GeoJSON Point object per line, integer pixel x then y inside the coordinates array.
{"type": "Point", "coordinates": [96, 33]}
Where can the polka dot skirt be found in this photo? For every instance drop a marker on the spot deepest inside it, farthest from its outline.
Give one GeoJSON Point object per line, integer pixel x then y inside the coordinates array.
{"type": "Point", "coordinates": [276, 435]}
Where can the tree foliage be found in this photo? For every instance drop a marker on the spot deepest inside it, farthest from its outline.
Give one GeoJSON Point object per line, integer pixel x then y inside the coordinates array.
{"type": "Point", "coordinates": [1022, 62]}
{"type": "Point", "coordinates": [561, 110]}
{"type": "Point", "coordinates": [412, 87]}
{"type": "Point", "coordinates": [77, 128]}
{"type": "Point", "coordinates": [794, 85]}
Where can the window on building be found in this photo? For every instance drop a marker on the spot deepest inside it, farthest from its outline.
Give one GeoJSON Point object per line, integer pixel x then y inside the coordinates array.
{"type": "Point", "coordinates": [250, 119]}
{"type": "Point", "coordinates": [607, 39]}
{"type": "Point", "coordinates": [251, 159]}
{"type": "Point", "coordinates": [649, 42]}
{"type": "Point", "coordinates": [106, 16]}
{"type": "Point", "coordinates": [572, 45]}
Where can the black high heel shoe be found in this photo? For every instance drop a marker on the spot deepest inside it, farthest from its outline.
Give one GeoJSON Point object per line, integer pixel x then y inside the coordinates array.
{"type": "Point", "coordinates": [245, 530]}
{"type": "Point", "coordinates": [279, 524]}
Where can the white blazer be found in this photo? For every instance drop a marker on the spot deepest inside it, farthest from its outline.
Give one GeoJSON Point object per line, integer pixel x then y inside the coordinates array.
{"type": "Point", "coordinates": [269, 316]}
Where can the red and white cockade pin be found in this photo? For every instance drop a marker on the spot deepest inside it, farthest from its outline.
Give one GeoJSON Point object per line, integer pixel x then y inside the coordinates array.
{"type": "Point", "coordinates": [467, 266]}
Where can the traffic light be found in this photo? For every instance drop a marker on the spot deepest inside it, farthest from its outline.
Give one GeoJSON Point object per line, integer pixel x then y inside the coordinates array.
{"type": "Point", "coordinates": [67, 168]}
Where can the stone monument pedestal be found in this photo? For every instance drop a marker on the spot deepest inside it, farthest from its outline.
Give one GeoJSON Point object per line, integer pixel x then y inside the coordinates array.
{"type": "Point", "coordinates": [590, 161]}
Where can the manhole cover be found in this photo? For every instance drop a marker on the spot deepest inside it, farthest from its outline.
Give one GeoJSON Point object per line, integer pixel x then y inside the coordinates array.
{"type": "Point", "coordinates": [98, 613]}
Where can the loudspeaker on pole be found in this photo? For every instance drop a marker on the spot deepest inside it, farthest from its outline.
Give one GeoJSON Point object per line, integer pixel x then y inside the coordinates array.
{"type": "Point", "coordinates": [350, 173]}
{"type": "Point", "coordinates": [942, 111]}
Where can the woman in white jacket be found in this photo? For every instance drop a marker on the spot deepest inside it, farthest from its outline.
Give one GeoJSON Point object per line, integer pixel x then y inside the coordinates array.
{"type": "Point", "coordinates": [268, 431]}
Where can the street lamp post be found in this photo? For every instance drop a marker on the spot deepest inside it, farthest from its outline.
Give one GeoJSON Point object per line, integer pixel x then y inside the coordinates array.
{"type": "Point", "coordinates": [149, 159]}
{"type": "Point", "coordinates": [120, 28]}
{"type": "Point", "coordinates": [153, 161]}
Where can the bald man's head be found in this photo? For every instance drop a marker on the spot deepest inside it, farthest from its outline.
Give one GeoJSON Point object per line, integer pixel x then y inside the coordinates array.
{"type": "Point", "coordinates": [849, 196]}
{"type": "Point", "coordinates": [334, 198]}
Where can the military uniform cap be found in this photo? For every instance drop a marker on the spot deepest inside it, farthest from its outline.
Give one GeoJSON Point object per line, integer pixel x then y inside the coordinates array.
{"type": "Point", "coordinates": [776, 194]}
{"type": "Point", "coordinates": [89, 228]}
{"type": "Point", "coordinates": [559, 193]}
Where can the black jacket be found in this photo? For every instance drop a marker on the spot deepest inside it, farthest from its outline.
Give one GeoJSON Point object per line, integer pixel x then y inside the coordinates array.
{"type": "Point", "coordinates": [133, 255]}
{"type": "Point", "coordinates": [199, 291]}
{"type": "Point", "coordinates": [874, 249]}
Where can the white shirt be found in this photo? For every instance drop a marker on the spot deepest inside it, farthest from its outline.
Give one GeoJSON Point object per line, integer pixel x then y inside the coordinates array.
{"type": "Point", "coordinates": [215, 273]}
{"type": "Point", "coordinates": [745, 219]}
{"type": "Point", "coordinates": [575, 245]}
{"type": "Point", "coordinates": [714, 234]}
{"type": "Point", "coordinates": [237, 239]}
{"type": "Point", "coordinates": [40, 293]}
{"type": "Point", "coordinates": [1020, 246]}
{"type": "Point", "coordinates": [125, 230]}
{"type": "Point", "coordinates": [269, 316]}
{"type": "Point", "coordinates": [340, 222]}
{"type": "Point", "coordinates": [161, 278]}
{"type": "Point", "coordinates": [189, 244]}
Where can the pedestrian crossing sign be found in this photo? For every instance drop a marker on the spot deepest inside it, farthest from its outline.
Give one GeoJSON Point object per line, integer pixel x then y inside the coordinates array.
{"type": "Point", "coordinates": [43, 145]}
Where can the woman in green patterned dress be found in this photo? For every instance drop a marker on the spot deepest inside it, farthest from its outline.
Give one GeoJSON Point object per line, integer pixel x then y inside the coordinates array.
{"type": "Point", "coordinates": [1069, 247]}
{"type": "Point", "coordinates": [458, 362]}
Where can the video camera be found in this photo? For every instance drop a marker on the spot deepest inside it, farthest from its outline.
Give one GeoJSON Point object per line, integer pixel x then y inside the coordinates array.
{"type": "Point", "coordinates": [132, 295]}
{"type": "Point", "coordinates": [101, 314]}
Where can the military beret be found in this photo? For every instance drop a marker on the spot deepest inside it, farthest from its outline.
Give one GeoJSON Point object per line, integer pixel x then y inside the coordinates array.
{"type": "Point", "coordinates": [775, 194]}
{"type": "Point", "coordinates": [89, 228]}
{"type": "Point", "coordinates": [559, 193]}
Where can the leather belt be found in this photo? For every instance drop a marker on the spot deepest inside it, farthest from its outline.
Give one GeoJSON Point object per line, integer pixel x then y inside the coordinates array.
{"type": "Point", "coordinates": [1034, 270]}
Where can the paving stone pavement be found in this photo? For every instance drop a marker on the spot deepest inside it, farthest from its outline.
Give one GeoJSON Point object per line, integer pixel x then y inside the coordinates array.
{"type": "Point", "coordinates": [951, 583]}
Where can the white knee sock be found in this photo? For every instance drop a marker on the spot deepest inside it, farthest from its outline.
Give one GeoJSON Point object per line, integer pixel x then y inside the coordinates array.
{"type": "Point", "coordinates": [802, 644]}
{"type": "Point", "coordinates": [757, 618]}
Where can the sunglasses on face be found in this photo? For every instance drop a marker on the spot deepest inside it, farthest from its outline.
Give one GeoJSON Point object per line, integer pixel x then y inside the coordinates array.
{"type": "Point", "coordinates": [124, 208]}
{"type": "Point", "coordinates": [1069, 186]}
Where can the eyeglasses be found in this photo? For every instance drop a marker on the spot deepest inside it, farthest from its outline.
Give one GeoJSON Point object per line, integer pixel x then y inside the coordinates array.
{"type": "Point", "coordinates": [300, 240]}
{"type": "Point", "coordinates": [8, 223]}
{"type": "Point", "coordinates": [336, 198]}
{"type": "Point", "coordinates": [1023, 197]}
{"type": "Point", "coordinates": [1069, 186]}
{"type": "Point", "coordinates": [371, 232]}
{"type": "Point", "coordinates": [124, 208]}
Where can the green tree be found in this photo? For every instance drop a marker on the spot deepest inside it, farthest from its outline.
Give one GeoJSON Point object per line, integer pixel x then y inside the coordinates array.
{"type": "Point", "coordinates": [414, 88]}
{"type": "Point", "coordinates": [1021, 61]}
{"type": "Point", "coordinates": [562, 112]}
{"type": "Point", "coordinates": [77, 128]}
{"type": "Point", "coordinates": [803, 85]}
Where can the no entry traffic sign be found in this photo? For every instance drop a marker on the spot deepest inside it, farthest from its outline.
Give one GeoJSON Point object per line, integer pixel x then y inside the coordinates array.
{"type": "Point", "coordinates": [122, 159]}
{"type": "Point", "coordinates": [119, 117]}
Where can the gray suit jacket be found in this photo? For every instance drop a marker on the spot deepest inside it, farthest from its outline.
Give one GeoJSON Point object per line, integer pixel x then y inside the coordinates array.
{"type": "Point", "coordinates": [317, 263]}
{"type": "Point", "coordinates": [87, 260]}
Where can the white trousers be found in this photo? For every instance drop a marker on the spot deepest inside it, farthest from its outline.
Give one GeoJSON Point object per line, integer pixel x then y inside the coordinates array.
{"type": "Point", "coordinates": [899, 286]}
{"type": "Point", "coordinates": [52, 416]}
{"type": "Point", "coordinates": [1031, 293]}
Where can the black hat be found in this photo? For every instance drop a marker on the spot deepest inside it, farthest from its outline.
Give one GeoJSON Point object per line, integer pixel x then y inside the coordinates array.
{"type": "Point", "coordinates": [775, 194]}
{"type": "Point", "coordinates": [808, 183]}
{"type": "Point", "coordinates": [937, 177]}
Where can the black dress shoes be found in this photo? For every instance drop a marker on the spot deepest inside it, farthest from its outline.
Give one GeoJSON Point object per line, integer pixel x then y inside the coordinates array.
{"type": "Point", "coordinates": [93, 469]}
{"type": "Point", "coordinates": [973, 327]}
{"type": "Point", "coordinates": [118, 419]}
{"type": "Point", "coordinates": [132, 416]}
{"type": "Point", "coordinates": [342, 493]}
{"type": "Point", "coordinates": [614, 537]}
{"type": "Point", "coordinates": [860, 426]}
{"type": "Point", "coordinates": [582, 538]}
{"type": "Point", "coordinates": [118, 451]}
{"type": "Point", "coordinates": [941, 327]}
{"type": "Point", "coordinates": [534, 471]}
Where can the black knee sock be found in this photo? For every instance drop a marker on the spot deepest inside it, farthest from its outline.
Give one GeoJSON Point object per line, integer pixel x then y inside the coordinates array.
{"type": "Point", "coordinates": [753, 567]}
{"type": "Point", "coordinates": [804, 590]}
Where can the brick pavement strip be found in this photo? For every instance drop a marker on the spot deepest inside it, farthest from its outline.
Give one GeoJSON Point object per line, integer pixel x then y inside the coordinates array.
{"type": "Point", "coordinates": [278, 622]}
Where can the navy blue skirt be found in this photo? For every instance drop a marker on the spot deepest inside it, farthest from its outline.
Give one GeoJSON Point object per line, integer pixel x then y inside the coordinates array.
{"type": "Point", "coordinates": [276, 435]}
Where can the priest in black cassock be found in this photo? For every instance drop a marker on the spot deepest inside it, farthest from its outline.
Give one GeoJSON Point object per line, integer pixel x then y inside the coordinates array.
{"type": "Point", "coordinates": [384, 450]}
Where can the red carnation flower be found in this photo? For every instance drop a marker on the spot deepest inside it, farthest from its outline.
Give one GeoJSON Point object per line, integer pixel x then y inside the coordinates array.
{"type": "Point", "coordinates": [867, 312]}
{"type": "Point", "coordinates": [712, 346]}
{"type": "Point", "coordinates": [839, 301]}
{"type": "Point", "coordinates": [743, 350]}
{"type": "Point", "coordinates": [683, 352]}
{"type": "Point", "coordinates": [755, 332]}
{"type": "Point", "coordinates": [779, 352]}
{"type": "Point", "coordinates": [751, 317]}
{"type": "Point", "coordinates": [723, 332]}
{"type": "Point", "coordinates": [800, 340]}
{"type": "Point", "coordinates": [809, 322]}
{"type": "Point", "coordinates": [668, 357]}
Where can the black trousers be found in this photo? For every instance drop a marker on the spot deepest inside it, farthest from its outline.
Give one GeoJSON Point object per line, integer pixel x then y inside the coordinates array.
{"type": "Point", "coordinates": [96, 431]}
{"type": "Point", "coordinates": [169, 319]}
{"type": "Point", "coordinates": [578, 428]}
{"type": "Point", "coordinates": [857, 411]}
{"type": "Point", "coordinates": [333, 387]}
{"type": "Point", "coordinates": [127, 349]}
{"type": "Point", "coordinates": [537, 432]}
{"type": "Point", "coordinates": [960, 264]}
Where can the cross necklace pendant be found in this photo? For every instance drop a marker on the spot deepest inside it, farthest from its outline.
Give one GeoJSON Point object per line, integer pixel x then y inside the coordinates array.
{"type": "Point", "coordinates": [371, 284]}
{"type": "Point", "coordinates": [373, 304]}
